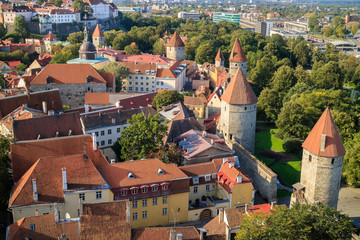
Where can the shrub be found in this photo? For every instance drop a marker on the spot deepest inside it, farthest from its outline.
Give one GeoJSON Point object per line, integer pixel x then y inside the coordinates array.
{"type": "Point", "coordinates": [292, 145]}
{"type": "Point", "coordinates": [278, 135]}
{"type": "Point", "coordinates": [272, 131]}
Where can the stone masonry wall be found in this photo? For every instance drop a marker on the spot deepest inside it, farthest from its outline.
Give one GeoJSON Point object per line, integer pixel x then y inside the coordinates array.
{"type": "Point", "coordinates": [264, 179]}
{"type": "Point", "coordinates": [175, 53]}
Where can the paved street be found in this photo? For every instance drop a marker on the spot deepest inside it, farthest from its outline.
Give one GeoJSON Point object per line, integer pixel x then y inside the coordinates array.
{"type": "Point", "coordinates": [349, 203]}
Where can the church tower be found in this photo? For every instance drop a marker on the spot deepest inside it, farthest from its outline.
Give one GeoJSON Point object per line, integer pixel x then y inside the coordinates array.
{"type": "Point", "coordinates": [175, 49]}
{"type": "Point", "coordinates": [219, 59]}
{"type": "Point", "coordinates": [322, 160]}
{"type": "Point", "coordinates": [98, 37]}
{"type": "Point", "coordinates": [237, 59]}
{"type": "Point", "coordinates": [238, 112]}
{"type": "Point", "coordinates": [87, 50]}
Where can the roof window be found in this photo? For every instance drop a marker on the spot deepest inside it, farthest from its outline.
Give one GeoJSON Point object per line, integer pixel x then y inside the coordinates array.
{"type": "Point", "coordinates": [131, 175]}
{"type": "Point", "coordinates": [161, 171]}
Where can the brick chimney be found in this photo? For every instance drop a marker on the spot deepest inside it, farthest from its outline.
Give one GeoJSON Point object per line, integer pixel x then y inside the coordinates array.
{"type": "Point", "coordinates": [221, 215]}
{"type": "Point", "coordinates": [35, 190]}
{"type": "Point", "coordinates": [94, 142]}
{"type": "Point", "coordinates": [64, 180]}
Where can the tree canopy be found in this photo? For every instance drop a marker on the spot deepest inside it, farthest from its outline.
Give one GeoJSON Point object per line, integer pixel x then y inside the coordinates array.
{"type": "Point", "coordinates": [144, 135]}
{"type": "Point", "coordinates": [120, 71]}
{"type": "Point", "coordinates": [305, 221]}
{"type": "Point", "coordinates": [21, 26]}
{"type": "Point", "coordinates": [165, 98]}
{"type": "Point", "coordinates": [5, 169]}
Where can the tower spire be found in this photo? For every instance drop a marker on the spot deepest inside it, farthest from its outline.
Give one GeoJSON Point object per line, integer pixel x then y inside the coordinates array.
{"type": "Point", "coordinates": [85, 30]}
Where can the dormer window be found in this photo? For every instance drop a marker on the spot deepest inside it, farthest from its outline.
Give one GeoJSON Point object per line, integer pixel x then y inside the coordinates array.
{"type": "Point", "coordinates": [131, 175]}
{"type": "Point", "coordinates": [195, 180]}
{"type": "Point", "coordinates": [48, 80]}
{"type": "Point", "coordinates": [137, 71]}
{"type": "Point", "coordinates": [88, 79]}
{"type": "Point", "coordinates": [147, 71]}
{"type": "Point", "coordinates": [123, 193]}
{"type": "Point", "coordinates": [214, 176]}
{"type": "Point", "coordinates": [165, 187]}
{"type": "Point", "coordinates": [161, 171]}
{"type": "Point", "coordinates": [207, 178]}
{"type": "Point", "coordinates": [134, 191]}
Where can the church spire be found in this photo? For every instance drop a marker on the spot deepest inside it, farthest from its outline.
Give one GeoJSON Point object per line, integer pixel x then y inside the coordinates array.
{"type": "Point", "coordinates": [85, 30]}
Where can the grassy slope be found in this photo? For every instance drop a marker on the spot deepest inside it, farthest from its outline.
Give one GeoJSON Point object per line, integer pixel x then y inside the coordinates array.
{"type": "Point", "coordinates": [288, 171]}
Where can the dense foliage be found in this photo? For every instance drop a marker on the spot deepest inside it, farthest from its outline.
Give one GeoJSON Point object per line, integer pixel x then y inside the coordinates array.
{"type": "Point", "coordinates": [120, 72]}
{"type": "Point", "coordinates": [165, 98]}
{"type": "Point", "coordinates": [66, 54]}
{"type": "Point", "coordinates": [5, 169]}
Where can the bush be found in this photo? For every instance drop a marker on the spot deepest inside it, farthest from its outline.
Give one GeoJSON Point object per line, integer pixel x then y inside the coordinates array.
{"type": "Point", "coordinates": [272, 131]}
{"type": "Point", "coordinates": [278, 135]}
{"type": "Point", "coordinates": [292, 145]}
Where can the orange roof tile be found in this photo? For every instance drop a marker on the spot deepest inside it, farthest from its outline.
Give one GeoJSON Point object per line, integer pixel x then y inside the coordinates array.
{"type": "Point", "coordinates": [24, 154]}
{"type": "Point", "coordinates": [109, 78]}
{"type": "Point", "coordinates": [228, 177]}
{"type": "Point", "coordinates": [237, 54]}
{"type": "Point", "coordinates": [50, 37]}
{"type": "Point", "coordinates": [45, 228]}
{"type": "Point", "coordinates": [204, 168]}
{"type": "Point", "coordinates": [176, 41]}
{"type": "Point", "coordinates": [68, 74]}
{"type": "Point", "coordinates": [239, 91]}
{"type": "Point", "coordinates": [80, 173]}
{"type": "Point", "coordinates": [105, 221]}
{"type": "Point", "coordinates": [145, 171]}
{"type": "Point", "coordinates": [97, 32]}
{"type": "Point", "coordinates": [163, 233]}
{"type": "Point", "coordinates": [140, 66]}
{"type": "Point", "coordinates": [325, 126]}
{"type": "Point", "coordinates": [219, 56]}
{"type": "Point", "coordinates": [97, 98]}
{"type": "Point", "coordinates": [193, 101]}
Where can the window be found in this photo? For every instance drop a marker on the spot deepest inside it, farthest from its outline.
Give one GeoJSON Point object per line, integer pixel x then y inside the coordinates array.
{"type": "Point", "coordinates": [207, 178]}
{"type": "Point", "coordinates": [214, 176]}
{"type": "Point", "coordinates": [135, 216]}
{"type": "Point", "coordinates": [208, 187]}
{"type": "Point", "coordinates": [118, 130]}
{"type": "Point", "coordinates": [333, 161]}
{"type": "Point", "coordinates": [130, 88]}
{"type": "Point", "coordinates": [97, 134]}
{"type": "Point", "coordinates": [134, 204]}
{"type": "Point", "coordinates": [147, 89]}
{"type": "Point", "coordinates": [154, 201]}
{"type": "Point", "coordinates": [196, 189]}
{"type": "Point", "coordinates": [109, 131]}
{"type": "Point", "coordinates": [195, 180]}
{"type": "Point", "coordinates": [245, 108]}
{"type": "Point", "coordinates": [147, 84]}
{"type": "Point", "coordinates": [144, 202]}
{"type": "Point", "coordinates": [82, 196]}
{"type": "Point", "coordinates": [102, 133]}
{"type": "Point", "coordinates": [102, 143]}
{"type": "Point", "coordinates": [130, 77]}
{"type": "Point", "coordinates": [98, 195]}
{"type": "Point", "coordinates": [165, 187]}
{"type": "Point", "coordinates": [142, 89]}
{"type": "Point", "coordinates": [136, 83]}
{"type": "Point", "coordinates": [154, 189]}
{"type": "Point", "coordinates": [144, 190]}
{"type": "Point", "coordinates": [164, 211]}
{"type": "Point", "coordinates": [32, 227]}
{"type": "Point", "coordinates": [144, 214]}
{"type": "Point", "coordinates": [165, 200]}
{"type": "Point", "coordinates": [123, 193]}
{"type": "Point", "coordinates": [310, 158]}
{"type": "Point", "coordinates": [109, 141]}
{"type": "Point", "coordinates": [134, 191]}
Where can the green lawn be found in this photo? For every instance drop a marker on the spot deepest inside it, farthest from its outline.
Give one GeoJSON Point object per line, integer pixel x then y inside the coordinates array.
{"type": "Point", "coordinates": [282, 193]}
{"type": "Point", "coordinates": [289, 172]}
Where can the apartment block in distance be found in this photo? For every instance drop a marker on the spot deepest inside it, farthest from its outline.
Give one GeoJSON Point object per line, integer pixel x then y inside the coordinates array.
{"type": "Point", "coordinates": [230, 17]}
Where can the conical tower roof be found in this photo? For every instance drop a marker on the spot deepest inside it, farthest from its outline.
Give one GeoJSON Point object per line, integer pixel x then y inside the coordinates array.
{"type": "Point", "coordinates": [176, 41]}
{"type": "Point", "coordinates": [239, 91]}
{"type": "Point", "coordinates": [237, 53]}
{"type": "Point", "coordinates": [219, 56]}
{"type": "Point", "coordinates": [325, 132]}
{"type": "Point", "coordinates": [98, 32]}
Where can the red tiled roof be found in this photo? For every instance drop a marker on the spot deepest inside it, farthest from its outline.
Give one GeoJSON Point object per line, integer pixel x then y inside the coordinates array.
{"type": "Point", "coordinates": [98, 32]}
{"type": "Point", "coordinates": [97, 98]}
{"type": "Point", "coordinates": [163, 233]}
{"type": "Point", "coordinates": [24, 154]}
{"type": "Point", "coordinates": [265, 208]}
{"type": "Point", "coordinates": [193, 101]}
{"type": "Point", "coordinates": [13, 64]}
{"type": "Point", "coordinates": [145, 171]}
{"type": "Point", "coordinates": [109, 78]}
{"type": "Point", "coordinates": [219, 56]}
{"type": "Point", "coordinates": [80, 174]}
{"type": "Point", "coordinates": [138, 101]}
{"type": "Point", "coordinates": [47, 127]}
{"type": "Point", "coordinates": [50, 37]}
{"type": "Point", "coordinates": [45, 228]}
{"type": "Point", "coordinates": [140, 66]}
{"type": "Point", "coordinates": [237, 54]}
{"type": "Point", "coordinates": [105, 221]}
{"type": "Point", "coordinates": [94, 2]}
{"type": "Point", "coordinates": [333, 144]}
{"type": "Point", "coordinates": [68, 74]}
{"type": "Point", "coordinates": [228, 177]}
{"type": "Point", "coordinates": [33, 100]}
{"type": "Point", "coordinates": [176, 41]}
{"type": "Point", "coordinates": [168, 72]}
{"type": "Point", "coordinates": [239, 91]}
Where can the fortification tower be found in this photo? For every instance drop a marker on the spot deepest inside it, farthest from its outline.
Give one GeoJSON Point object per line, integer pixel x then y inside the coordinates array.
{"type": "Point", "coordinates": [175, 49]}
{"type": "Point", "coordinates": [322, 160]}
{"type": "Point", "coordinates": [219, 59]}
{"type": "Point", "coordinates": [98, 37]}
{"type": "Point", "coordinates": [237, 59]}
{"type": "Point", "coordinates": [238, 112]}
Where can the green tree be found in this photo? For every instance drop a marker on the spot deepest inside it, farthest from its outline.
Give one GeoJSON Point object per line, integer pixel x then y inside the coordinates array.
{"type": "Point", "coordinates": [263, 71]}
{"type": "Point", "coordinates": [205, 53]}
{"type": "Point", "coordinates": [2, 31]}
{"type": "Point", "coordinates": [351, 168]}
{"type": "Point", "coordinates": [132, 50]}
{"type": "Point", "coordinates": [327, 31]}
{"type": "Point", "coordinates": [303, 76]}
{"type": "Point", "coordinates": [159, 47]}
{"type": "Point", "coordinates": [269, 104]}
{"type": "Point", "coordinates": [76, 37]}
{"type": "Point", "coordinates": [121, 41]}
{"type": "Point", "coordinates": [313, 23]}
{"type": "Point", "coordinates": [317, 55]}
{"type": "Point", "coordinates": [301, 221]}
{"type": "Point", "coordinates": [57, 3]}
{"type": "Point", "coordinates": [354, 28]}
{"type": "Point", "coordinates": [302, 53]}
{"type": "Point", "coordinates": [21, 67]}
{"type": "Point", "coordinates": [328, 76]}
{"type": "Point", "coordinates": [5, 169]}
{"type": "Point", "coordinates": [55, 48]}
{"type": "Point", "coordinates": [340, 31]}
{"type": "Point", "coordinates": [66, 54]}
{"type": "Point", "coordinates": [165, 98]}
{"type": "Point", "coordinates": [338, 21]}
{"type": "Point", "coordinates": [145, 134]}
{"type": "Point", "coordinates": [21, 26]}
{"type": "Point", "coordinates": [169, 153]}
{"type": "Point", "coordinates": [120, 72]}
{"type": "Point", "coordinates": [283, 80]}
{"type": "Point", "coordinates": [299, 88]}
{"type": "Point", "coordinates": [83, 8]}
